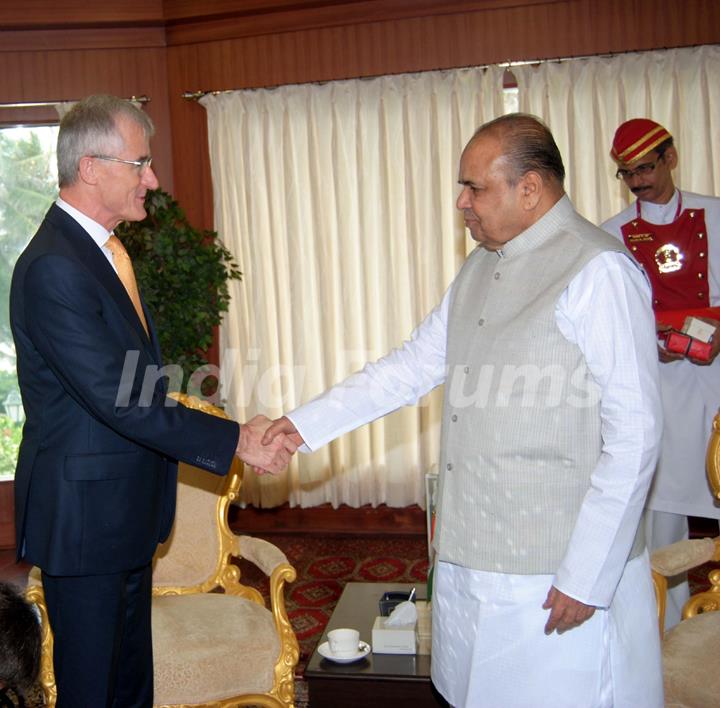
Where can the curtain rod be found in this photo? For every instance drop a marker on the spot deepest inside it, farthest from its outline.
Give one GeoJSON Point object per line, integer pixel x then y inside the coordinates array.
{"type": "Point", "coordinates": [48, 104]}
{"type": "Point", "coordinates": [197, 95]}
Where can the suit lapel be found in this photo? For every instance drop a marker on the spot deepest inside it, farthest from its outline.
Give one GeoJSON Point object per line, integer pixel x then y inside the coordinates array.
{"type": "Point", "coordinates": [154, 339]}
{"type": "Point", "coordinates": [87, 251]}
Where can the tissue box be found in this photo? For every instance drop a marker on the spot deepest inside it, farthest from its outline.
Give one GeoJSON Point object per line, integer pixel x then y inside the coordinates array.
{"type": "Point", "coordinates": [400, 639]}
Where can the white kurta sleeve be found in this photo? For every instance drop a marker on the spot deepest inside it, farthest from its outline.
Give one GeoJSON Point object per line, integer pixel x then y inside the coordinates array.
{"type": "Point", "coordinates": [400, 378]}
{"type": "Point", "coordinates": [606, 311]}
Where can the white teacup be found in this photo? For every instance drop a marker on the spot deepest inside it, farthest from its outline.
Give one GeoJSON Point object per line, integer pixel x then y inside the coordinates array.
{"type": "Point", "coordinates": [344, 643]}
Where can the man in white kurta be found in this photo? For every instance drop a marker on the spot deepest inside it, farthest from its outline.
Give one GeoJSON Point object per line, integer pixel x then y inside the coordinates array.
{"type": "Point", "coordinates": [551, 426]}
{"type": "Point", "coordinates": [666, 219]}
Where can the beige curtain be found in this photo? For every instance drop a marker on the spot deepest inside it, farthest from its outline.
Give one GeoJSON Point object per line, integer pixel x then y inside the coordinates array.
{"type": "Point", "coordinates": [339, 202]}
{"type": "Point", "coordinates": [585, 100]}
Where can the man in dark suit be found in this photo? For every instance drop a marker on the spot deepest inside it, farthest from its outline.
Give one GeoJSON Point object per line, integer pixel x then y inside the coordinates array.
{"type": "Point", "coordinates": [96, 474]}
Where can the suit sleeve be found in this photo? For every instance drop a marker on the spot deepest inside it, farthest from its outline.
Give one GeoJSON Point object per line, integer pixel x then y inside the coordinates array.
{"type": "Point", "coordinates": [67, 325]}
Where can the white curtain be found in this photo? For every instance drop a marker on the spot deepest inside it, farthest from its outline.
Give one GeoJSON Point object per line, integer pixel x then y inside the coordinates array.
{"type": "Point", "coordinates": [338, 201]}
{"type": "Point", "coordinates": [585, 100]}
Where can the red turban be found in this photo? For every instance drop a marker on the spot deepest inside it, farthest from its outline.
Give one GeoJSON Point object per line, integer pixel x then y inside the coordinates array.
{"type": "Point", "coordinates": [635, 138]}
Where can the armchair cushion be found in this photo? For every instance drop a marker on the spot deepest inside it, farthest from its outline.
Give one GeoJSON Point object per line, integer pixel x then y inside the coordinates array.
{"type": "Point", "coordinates": [210, 665]}
{"type": "Point", "coordinates": [689, 649]}
{"type": "Point", "coordinates": [682, 556]}
{"type": "Point", "coordinates": [261, 553]}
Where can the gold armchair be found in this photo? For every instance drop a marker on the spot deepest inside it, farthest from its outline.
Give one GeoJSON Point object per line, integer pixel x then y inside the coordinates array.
{"type": "Point", "coordinates": [214, 642]}
{"type": "Point", "coordinates": [690, 649]}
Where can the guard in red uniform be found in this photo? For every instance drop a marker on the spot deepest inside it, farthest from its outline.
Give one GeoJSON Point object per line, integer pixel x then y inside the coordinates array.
{"type": "Point", "coordinates": [675, 236]}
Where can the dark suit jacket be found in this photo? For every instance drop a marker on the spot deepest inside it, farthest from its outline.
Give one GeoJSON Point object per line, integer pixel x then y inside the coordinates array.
{"type": "Point", "coordinates": [96, 476]}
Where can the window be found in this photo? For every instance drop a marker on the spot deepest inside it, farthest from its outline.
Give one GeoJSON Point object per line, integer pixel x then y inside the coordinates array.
{"type": "Point", "coordinates": [511, 101]}
{"type": "Point", "coordinates": [28, 185]}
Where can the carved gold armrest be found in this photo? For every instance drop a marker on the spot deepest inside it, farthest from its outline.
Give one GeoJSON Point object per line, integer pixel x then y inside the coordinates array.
{"type": "Point", "coordinates": [680, 557]}
{"type": "Point", "coordinates": [713, 458]}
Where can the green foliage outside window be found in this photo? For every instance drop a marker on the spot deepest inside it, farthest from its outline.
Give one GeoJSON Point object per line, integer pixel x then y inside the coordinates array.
{"type": "Point", "coordinates": [10, 435]}
{"type": "Point", "coordinates": [28, 185]}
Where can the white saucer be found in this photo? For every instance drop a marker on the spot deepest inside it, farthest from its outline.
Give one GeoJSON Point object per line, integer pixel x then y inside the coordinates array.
{"type": "Point", "coordinates": [363, 651]}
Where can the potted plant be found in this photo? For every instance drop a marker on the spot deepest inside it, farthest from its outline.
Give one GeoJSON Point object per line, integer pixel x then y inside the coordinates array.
{"type": "Point", "coordinates": [183, 275]}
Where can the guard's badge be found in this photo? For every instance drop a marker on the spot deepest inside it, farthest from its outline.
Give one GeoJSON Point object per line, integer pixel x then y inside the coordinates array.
{"type": "Point", "coordinates": [669, 258]}
{"type": "Point", "coordinates": [633, 238]}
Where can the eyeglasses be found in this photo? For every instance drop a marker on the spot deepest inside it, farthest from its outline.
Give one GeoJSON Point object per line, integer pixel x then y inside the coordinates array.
{"type": "Point", "coordinates": [141, 165]}
{"type": "Point", "coordinates": [641, 170]}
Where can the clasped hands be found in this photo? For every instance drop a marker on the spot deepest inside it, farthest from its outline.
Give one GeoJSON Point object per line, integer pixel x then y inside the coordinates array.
{"type": "Point", "coordinates": [267, 445]}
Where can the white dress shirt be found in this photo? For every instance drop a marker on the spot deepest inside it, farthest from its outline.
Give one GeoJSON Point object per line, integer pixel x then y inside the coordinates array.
{"type": "Point", "coordinates": [97, 232]}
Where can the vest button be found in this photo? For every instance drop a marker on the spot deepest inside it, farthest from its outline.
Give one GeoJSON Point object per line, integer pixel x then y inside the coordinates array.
{"type": "Point", "coordinates": [449, 467]}
{"type": "Point", "coordinates": [700, 295]}
{"type": "Point", "coordinates": [481, 322]}
{"type": "Point", "coordinates": [701, 235]}
{"type": "Point", "coordinates": [496, 276]}
{"type": "Point", "coordinates": [700, 276]}
{"type": "Point", "coordinates": [454, 418]}
{"type": "Point", "coordinates": [467, 369]}
{"type": "Point", "coordinates": [702, 254]}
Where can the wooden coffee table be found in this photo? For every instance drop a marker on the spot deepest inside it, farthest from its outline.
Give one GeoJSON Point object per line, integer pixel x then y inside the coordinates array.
{"type": "Point", "coordinates": [378, 680]}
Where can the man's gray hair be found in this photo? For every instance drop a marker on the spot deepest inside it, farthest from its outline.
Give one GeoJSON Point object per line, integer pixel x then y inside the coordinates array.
{"type": "Point", "coordinates": [90, 128]}
{"type": "Point", "coordinates": [527, 146]}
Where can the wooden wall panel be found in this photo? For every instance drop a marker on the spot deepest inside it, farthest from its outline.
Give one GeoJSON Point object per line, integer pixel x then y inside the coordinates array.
{"type": "Point", "coordinates": [69, 74]}
{"type": "Point", "coordinates": [441, 35]}
{"type": "Point", "coordinates": [231, 19]}
{"type": "Point", "coordinates": [192, 10]}
{"type": "Point", "coordinates": [63, 13]}
{"type": "Point", "coordinates": [54, 40]}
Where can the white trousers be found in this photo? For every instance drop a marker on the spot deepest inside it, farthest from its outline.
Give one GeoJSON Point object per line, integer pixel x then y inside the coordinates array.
{"type": "Point", "coordinates": [661, 529]}
{"type": "Point", "coordinates": [489, 649]}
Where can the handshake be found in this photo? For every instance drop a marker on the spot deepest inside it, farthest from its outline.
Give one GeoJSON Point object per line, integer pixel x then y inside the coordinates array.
{"type": "Point", "coordinates": [268, 445]}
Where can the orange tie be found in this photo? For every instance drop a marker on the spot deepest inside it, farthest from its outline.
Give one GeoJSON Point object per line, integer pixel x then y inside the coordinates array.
{"type": "Point", "coordinates": [125, 272]}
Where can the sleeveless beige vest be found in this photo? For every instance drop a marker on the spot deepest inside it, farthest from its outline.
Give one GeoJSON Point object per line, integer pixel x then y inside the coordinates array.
{"type": "Point", "coordinates": [521, 420]}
